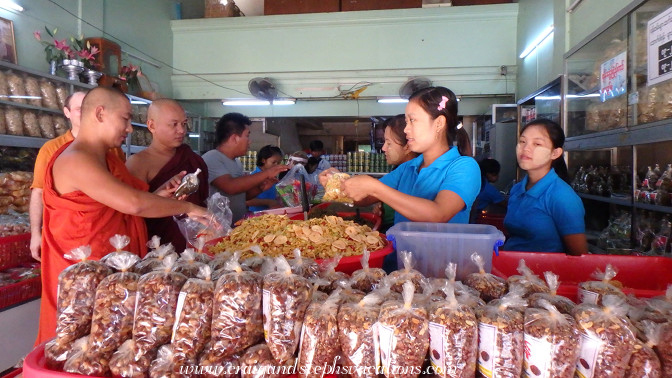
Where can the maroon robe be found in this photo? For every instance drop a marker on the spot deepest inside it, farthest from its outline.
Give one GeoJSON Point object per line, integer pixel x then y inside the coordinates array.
{"type": "Point", "coordinates": [184, 160]}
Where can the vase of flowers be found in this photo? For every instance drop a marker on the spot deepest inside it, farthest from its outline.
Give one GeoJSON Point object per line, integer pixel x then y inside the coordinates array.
{"type": "Point", "coordinates": [129, 75]}
{"type": "Point", "coordinates": [73, 57]}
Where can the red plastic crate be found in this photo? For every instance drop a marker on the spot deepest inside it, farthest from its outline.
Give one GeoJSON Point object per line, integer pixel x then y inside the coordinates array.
{"type": "Point", "coordinates": [13, 373]}
{"type": "Point", "coordinates": [14, 250]}
{"type": "Point", "coordinates": [20, 291]}
{"type": "Point", "coordinates": [640, 275]}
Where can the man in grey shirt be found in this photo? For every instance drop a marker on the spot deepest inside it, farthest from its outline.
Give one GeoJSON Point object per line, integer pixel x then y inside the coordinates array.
{"type": "Point", "coordinates": [225, 173]}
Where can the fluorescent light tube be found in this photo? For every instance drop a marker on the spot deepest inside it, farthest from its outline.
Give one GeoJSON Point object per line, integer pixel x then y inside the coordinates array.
{"type": "Point", "coordinates": [395, 100]}
{"type": "Point", "coordinates": [10, 5]}
{"type": "Point", "coordinates": [139, 102]}
{"type": "Point", "coordinates": [251, 102]}
{"type": "Point", "coordinates": [538, 41]}
{"type": "Point", "coordinates": [194, 135]}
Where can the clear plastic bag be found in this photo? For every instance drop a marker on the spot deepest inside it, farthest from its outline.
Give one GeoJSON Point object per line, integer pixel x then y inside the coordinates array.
{"type": "Point", "coordinates": [237, 320]}
{"type": "Point", "coordinates": [488, 285]}
{"type": "Point", "coordinates": [188, 264]}
{"type": "Point", "coordinates": [56, 353]}
{"type": "Point", "coordinates": [664, 347]}
{"type": "Point", "coordinates": [607, 331]}
{"type": "Point", "coordinates": [500, 333]}
{"type": "Point", "coordinates": [562, 304]}
{"type": "Point", "coordinates": [84, 360]}
{"type": "Point", "coordinates": [218, 226]}
{"type": "Point", "coordinates": [318, 338]}
{"type": "Point", "coordinates": [77, 286]}
{"type": "Point", "coordinates": [644, 362]}
{"type": "Point", "coordinates": [527, 281]}
{"type": "Point", "coordinates": [552, 342]}
{"type": "Point", "coordinates": [453, 337]}
{"type": "Point", "coordinates": [114, 307]}
{"type": "Point", "coordinates": [399, 277]}
{"type": "Point", "coordinates": [128, 362]}
{"type": "Point", "coordinates": [193, 316]}
{"type": "Point", "coordinates": [331, 275]}
{"type": "Point", "coordinates": [367, 279]}
{"type": "Point", "coordinates": [357, 336]}
{"type": "Point", "coordinates": [289, 187]}
{"type": "Point", "coordinates": [332, 190]}
{"type": "Point", "coordinates": [166, 364]}
{"type": "Point", "coordinates": [403, 331]}
{"type": "Point", "coordinates": [157, 297]}
{"type": "Point", "coordinates": [258, 362]}
{"type": "Point", "coordinates": [154, 259]}
{"type": "Point", "coordinates": [304, 266]}
{"type": "Point", "coordinates": [214, 366]}
{"type": "Point", "coordinates": [593, 291]}
{"type": "Point", "coordinates": [286, 297]}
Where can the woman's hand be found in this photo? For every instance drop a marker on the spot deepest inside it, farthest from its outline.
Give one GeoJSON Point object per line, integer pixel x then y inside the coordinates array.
{"type": "Point", "coordinates": [324, 175]}
{"type": "Point", "coordinates": [169, 187]}
{"type": "Point", "coordinates": [359, 187]}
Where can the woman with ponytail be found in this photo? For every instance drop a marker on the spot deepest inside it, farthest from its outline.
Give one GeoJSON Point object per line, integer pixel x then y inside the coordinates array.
{"type": "Point", "coordinates": [544, 213]}
{"type": "Point", "coordinates": [440, 184]}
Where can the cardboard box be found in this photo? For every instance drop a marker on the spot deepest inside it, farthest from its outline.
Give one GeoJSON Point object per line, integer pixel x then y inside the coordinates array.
{"type": "Point", "coordinates": [360, 5]}
{"type": "Point", "coordinates": [272, 7]}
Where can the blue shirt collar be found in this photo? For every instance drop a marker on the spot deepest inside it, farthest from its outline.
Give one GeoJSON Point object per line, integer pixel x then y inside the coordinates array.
{"type": "Point", "coordinates": [440, 162]}
{"type": "Point", "coordinates": [540, 187]}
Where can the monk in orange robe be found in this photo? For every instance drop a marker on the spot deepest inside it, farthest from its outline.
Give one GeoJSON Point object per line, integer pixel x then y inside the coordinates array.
{"type": "Point", "coordinates": [89, 196]}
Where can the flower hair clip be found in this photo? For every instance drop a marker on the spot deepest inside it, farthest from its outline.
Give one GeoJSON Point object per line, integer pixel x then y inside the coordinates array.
{"type": "Point", "coordinates": [442, 104]}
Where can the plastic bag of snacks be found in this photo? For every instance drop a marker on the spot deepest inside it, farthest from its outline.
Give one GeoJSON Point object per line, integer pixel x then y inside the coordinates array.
{"type": "Point", "coordinates": [148, 264]}
{"type": "Point", "coordinates": [86, 361]}
{"type": "Point", "coordinates": [201, 256]}
{"type": "Point", "coordinates": [562, 304]}
{"type": "Point", "coordinates": [60, 125]}
{"type": "Point", "coordinates": [664, 347]}
{"type": "Point", "coordinates": [289, 188]}
{"type": "Point", "coordinates": [453, 337]}
{"type": "Point", "coordinates": [366, 279]}
{"type": "Point", "coordinates": [348, 294]}
{"type": "Point", "coordinates": [403, 336]}
{"type": "Point", "coordinates": [49, 95]}
{"type": "Point", "coordinates": [153, 244]}
{"type": "Point", "coordinates": [357, 337]}
{"type": "Point", "coordinates": [331, 275]}
{"type": "Point", "coordinates": [258, 362]}
{"type": "Point", "coordinates": [332, 190]}
{"type": "Point", "coordinates": [237, 319]}
{"type": "Point", "coordinates": [219, 224]}
{"type": "Point", "coordinates": [644, 362]}
{"type": "Point", "coordinates": [399, 277]}
{"type": "Point", "coordinates": [56, 353]}
{"type": "Point", "coordinates": [214, 366]}
{"type": "Point", "coordinates": [593, 291]}
{"type": "Point", "coordinates": [529, 282]}
{"type": "Point", "coordinates": [552, 342]}
{"type": "Point", "coordinates": [315, 294]}
{"type": "Point", "coordinates": [166, 364]}
{"type": "Point", "coordinates": [304, 266]}
{"type": "Point", "coordinates": [219, 260]}
{"type": "Point", "coordinates": [157, 296]}
{"type": "Point", "coordinates": [193, 316]}
{"type": "Point", "coordinates": [114, 307]}
{"type": "Point", "coordinates": [188, 264]}
{"type": "Point", "coordinates": [127, 362]}
{"type": "Point", "coordinates": [255, 262]}
{"type": "Point", "coordinates": [285, 299]}
{"type": "Point", "coordinates": [119, 242]}
{"type": "Point", "coordinates": [500, 333]}
{"type": "Point", "coordinates": [607, 342]}
{"type": "Point", "coordinates": [319, 338]}
{"type": "Point", "coordinates": [458, 286]}
{"type": "Point", "coordinates": [77, 286]}
{"type": "Point", "coordinates": [30, 125]}
{"type": "Point", "coordinates": [490, 286]}
{"type": "Point", "coordinates": [17, 87]}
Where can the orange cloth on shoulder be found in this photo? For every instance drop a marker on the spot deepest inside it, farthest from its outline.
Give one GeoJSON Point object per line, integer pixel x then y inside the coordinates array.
{"type": "Point", "coordinates": [74, 219]}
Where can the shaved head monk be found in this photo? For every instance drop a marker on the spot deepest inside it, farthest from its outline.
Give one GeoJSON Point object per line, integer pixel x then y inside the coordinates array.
{"type": "Point", "coordinates": [89, 196]}
{"type": "Point", "coordinates": [168, 156]}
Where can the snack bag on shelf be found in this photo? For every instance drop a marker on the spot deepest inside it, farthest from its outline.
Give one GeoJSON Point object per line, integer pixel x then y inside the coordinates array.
{"type": "Point", "coordinates": [399, 277]}
{"type": "Point", "coordinates": [237, 319]}
{"type": "Point", "coordinates": [453, 337]}
{"type": "Point", "coordinates": [319, 338]}
{"type": "Point", "coordinates": [218, 226]}
{"type": "Point", "coordinates": [193, 316]}
{"type": "Point", "coordinates": [157, 298]}
{"type": "Point", "coordinates": [562, 304]}
{"type": "Point", "coordinates": [286, 297]}
{"type": "Point", "coordinates": [552, 342]}
{"type": "Point", "coordinates": [332, 190]}
{"type": "Point", "coordinates": [501, 337]}
{"type": "Point", "coordinates": [403, 335]}
{"type": "Point", "coordinates": [77, 286]}
{"type": "Point", "coordinates": [488, 285]}
{"type": "Point", "coordinates": [357, 336]}
{"type": "Point", "coordinates": [289, 187]}
{"type": "Point", "coordinates": [607, 341]}
{"type": "Point", "coordinates": [367, 279]}
{"type": "Point", "coordinates": [593, 291]}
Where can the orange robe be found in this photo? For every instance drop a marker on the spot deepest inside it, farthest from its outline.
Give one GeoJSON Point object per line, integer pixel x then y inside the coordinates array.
{"type": "Point", "coordinates": [74, 219]}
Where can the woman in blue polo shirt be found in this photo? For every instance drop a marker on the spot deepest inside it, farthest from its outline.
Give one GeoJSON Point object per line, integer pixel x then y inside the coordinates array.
{"type": "Point", "coordinates": [544, 213]}
{"type": "Point", "coordinates": [441, 184]}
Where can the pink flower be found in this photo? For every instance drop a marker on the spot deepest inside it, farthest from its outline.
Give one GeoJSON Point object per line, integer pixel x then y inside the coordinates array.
{"type": "Point", "coordinates": [61, 45]}
{"type": "Point", "coordinates": [37, 35]}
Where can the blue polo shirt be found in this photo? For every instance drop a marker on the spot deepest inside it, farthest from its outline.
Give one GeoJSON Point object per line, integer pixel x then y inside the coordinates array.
{"type": "Point", "coordinates": [488, 195]}
{"type": "Point", "coordinates": [451, 171]}
{"type": "Point", "coordinates": [267, 194]}
{"type": "Point", "coordinates": [537, 219]}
